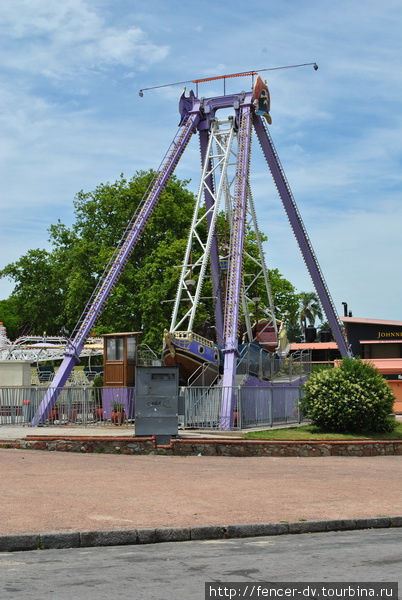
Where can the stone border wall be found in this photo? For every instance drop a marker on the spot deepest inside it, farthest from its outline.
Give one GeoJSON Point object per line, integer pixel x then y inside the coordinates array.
{"type": "Point", "coordinates": [208, 447]}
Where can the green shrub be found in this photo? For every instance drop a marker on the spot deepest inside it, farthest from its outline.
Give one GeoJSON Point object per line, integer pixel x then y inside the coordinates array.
{"type": "Point", "coordinates": [98, 381]}
{"type": "Point", "coordinates": [353, 398]}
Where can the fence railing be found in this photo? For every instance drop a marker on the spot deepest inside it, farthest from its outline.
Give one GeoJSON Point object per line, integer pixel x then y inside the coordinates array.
{"type": "Point", "coordinates": [252, 406]}
{"type": "Point", "coordinates": [256, 361]}
{"type": "Point", "coordinates": [296, 365]}
{"type": "Point", "coordinates": [84, 406]}
{"type": "Point", "coordinates": [74, 406]}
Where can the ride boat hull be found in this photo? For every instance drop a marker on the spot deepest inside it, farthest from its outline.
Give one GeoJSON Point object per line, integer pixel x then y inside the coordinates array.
{"type": "Point", "coordinates": [196, 357]}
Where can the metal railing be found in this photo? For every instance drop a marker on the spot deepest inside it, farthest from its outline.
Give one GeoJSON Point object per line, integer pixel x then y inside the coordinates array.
{"type": "Point", "coordinates": [202, 407]}
{"type": "Point", "coordinates": [146, 357]}
{"type": "Point", "coordinates": [295, 366]}
{"type": "Point", "coordinates": [253, 406]}
{"type": "Point", "coordinates": [198, 377]}
{"type": "Point", "coordinates": [193, 337]}
{"type": "Point", "coordinates": [254, 360]}
{"type": "Point", "coordinates": [81, 406]}
{"type": "Point", "coordinates": [267, 405]}
{"type": "Point", "coordinates": [77, 377]}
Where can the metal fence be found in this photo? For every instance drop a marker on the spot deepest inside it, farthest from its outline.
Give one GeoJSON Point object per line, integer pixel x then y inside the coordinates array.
{"type": "Point", "coordinates": [74, 406]}
{"type": "Point", "coordinates": [256, 361]}
{"type": "Point", "coordinates": [270, 405]}
{"type": "Point", "coordinates": [253, 406]}
{"type": "Point", "coordinates": [202, 406]}
{"type": "Point", "coordinates": [84, 406]}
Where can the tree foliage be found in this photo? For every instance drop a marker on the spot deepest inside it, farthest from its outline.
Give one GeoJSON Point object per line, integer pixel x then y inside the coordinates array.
{"type": "Point", "coordinates": [36, 303]}
{"type": "Point", "coordinates": [9, 315]}
{"type": "Point", "coordinates": [53, 287]}
{"type": "Point", "coordinates": [309, 308]}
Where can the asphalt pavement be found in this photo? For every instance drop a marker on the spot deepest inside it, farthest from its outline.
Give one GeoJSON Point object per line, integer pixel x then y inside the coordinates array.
{"type": "Point", "coordinates": [178, 571]}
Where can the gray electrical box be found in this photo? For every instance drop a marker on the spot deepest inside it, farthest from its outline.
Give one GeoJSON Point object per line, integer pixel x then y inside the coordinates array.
{"type": "Point", "coordinates": [156, 402]}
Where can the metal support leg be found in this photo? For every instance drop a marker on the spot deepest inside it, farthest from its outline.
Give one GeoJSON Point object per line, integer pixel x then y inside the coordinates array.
{"type": "Point", "coordinates": [234, 283]}
{"type": "Point", "coordinates": [112, 274]}
{"type": "Point", "coordinates": [300, 232]}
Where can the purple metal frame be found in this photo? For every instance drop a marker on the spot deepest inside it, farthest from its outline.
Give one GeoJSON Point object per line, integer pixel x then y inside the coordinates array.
{"type": "Point", "coordinates": [235, 271]}
{"type": "Point", "coordinates": [300, 232]}
{"type": "Point", "coordinates": [111, 277]}
{"type": "Point", "coordinates": [197, 114]}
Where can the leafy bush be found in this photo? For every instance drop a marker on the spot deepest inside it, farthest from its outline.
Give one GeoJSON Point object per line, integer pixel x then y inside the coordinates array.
{"type": "Point", "coordinates": [322, 367]}
{"type": "Point", "coordinates": [353, 398]}
{"type": "Point", "coordinates": [98, 381]}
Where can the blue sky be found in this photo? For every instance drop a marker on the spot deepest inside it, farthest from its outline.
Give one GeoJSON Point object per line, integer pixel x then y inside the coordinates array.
{"type": "Point", "coordinates": [71, 118]}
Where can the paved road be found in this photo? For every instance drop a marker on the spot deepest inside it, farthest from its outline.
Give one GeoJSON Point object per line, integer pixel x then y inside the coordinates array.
{"type": "Point", "coordinates": [178, 571]}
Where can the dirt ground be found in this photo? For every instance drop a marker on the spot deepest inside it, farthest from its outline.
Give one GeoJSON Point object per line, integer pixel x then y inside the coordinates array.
{"type": "Point", "coordinates": [55, 491]}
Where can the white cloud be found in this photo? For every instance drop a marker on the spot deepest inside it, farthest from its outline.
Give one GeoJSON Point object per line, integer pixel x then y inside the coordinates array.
{"type": "Point", "coordinates": [32, 18]}
{"type": "Point", "coordinates": [54, 141]}
{"type": "Point", "coordinates": [65, 38]}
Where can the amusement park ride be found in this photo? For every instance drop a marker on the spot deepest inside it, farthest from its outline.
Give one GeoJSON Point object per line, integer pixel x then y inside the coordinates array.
{"type": "Point", "coordinates": [224, 185]}
{"type": "Point", "coordinates": [42, 348]}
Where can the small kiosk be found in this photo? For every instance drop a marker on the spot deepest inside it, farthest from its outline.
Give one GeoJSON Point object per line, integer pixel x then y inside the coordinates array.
{"type": "Point", "coordinates": [119, 360]}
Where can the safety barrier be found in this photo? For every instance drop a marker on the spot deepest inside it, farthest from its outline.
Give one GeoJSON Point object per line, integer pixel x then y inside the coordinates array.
{"type": "Point", "coordinates": [81, 406]}
{"type": "Point", "coordinates": [253, 406]}
{"type": "Point", "coordinates": [85, 406]}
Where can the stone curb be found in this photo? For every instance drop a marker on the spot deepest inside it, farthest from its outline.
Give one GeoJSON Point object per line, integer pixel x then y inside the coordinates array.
{"type": "Point", "coordinates": [208, 447]}
{"type": "Point", "coordinates": [84, 539]}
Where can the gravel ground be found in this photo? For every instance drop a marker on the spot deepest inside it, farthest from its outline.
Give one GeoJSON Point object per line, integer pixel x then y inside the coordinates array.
{"type": "Point", "coordinates": [49, 491]}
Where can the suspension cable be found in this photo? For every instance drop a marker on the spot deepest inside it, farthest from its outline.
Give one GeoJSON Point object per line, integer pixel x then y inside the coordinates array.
{"type": "Point", "coordinates": [241, 74]}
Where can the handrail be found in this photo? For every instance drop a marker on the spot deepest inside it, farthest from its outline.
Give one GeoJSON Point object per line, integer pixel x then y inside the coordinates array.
{"type": "Point", "coordinates": [146, 354]}
{"type": "Point", "coordinates": [195, 337]}
{"type": "Point", "coordinates": [200, 371]}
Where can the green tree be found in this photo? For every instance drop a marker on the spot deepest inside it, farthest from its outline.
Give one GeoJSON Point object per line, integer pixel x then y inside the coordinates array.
{"type": "Point", "coordinates": [294, 332]}
{"type": "Point", "coordinates": [53, 287]}
{"type": "Point", "coordinates": [325, 328]}
{"type": "Point", "coordinates": [36, 304]}
{"type": "Point", "coordinates": [150, 275]}
{"type": "Point", "coordinates": [309, 308]}
{"type": "Point", "coordinates": [9, 315]}
{"type": "Point", "coordinates": [284, 295]}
